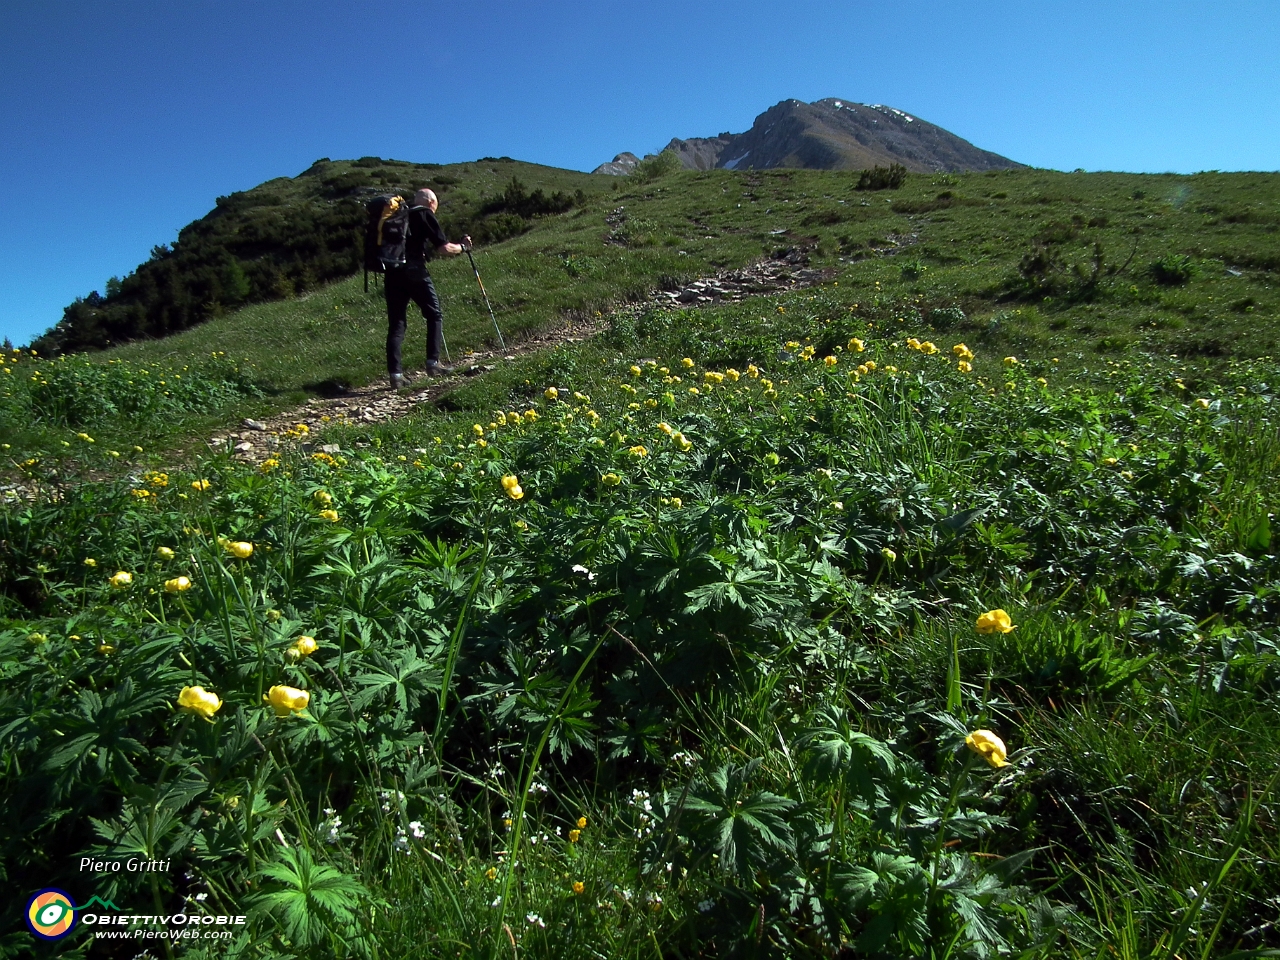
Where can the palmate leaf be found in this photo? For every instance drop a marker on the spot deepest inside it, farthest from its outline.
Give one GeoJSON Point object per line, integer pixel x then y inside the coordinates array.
{"type": "Point", "coordinates": [834, 752]}
{"type": "Point", "coordinates": [309, 900]}
{"type": "Point", "coordinates": [742, 828]}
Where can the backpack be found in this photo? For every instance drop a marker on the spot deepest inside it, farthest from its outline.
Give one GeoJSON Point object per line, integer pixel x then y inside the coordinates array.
{"type": "Point", "coordinates": [385, 231]}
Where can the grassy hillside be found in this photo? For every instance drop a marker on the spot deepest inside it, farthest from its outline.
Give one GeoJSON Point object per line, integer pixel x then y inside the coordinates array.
{"type": "Point", "coordinates": [682, 641]}
{"type": "Point", "coordinates": [287, 236]}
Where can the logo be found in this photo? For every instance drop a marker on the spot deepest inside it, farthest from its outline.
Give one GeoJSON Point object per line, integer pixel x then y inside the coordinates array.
{"type": "Point", "coordinates": [51, 915]}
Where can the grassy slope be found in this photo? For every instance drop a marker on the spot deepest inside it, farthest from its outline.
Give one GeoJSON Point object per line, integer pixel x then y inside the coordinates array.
{"type": "Point", "coordinates": [691, 223]}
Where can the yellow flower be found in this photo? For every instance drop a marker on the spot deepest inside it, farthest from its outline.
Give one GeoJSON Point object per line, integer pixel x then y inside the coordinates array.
{"type": "Point", "coordinates": [962, 352]}
{"type": "Point", "coordinates": [531, 415]}
{"type": "Point", "coordinates": [863, 370]}
{"type": "Point", "coordinates": [712, 376]}
{"type": "Point", "coordinates": [322, 498]}
{"type": "Point", "coordinates": [913, 343]}
{"type": "Point", "coordinates": [1010, 361]}
{"type": "Point", "coordinates": [574, 835]}
{"type": "Point", "coordinates": [687, 363]}
{"type": "Point", "coordinates": [120, 579]}
{"type": "Point", "coordinates": [578, 886]}
{"type": "Point", "coordinates": [732, 374]}
{"type": "Point", "coordinates": [870, 365]}
{"type": "Point", "coordinates": [582, 823]}
{"type": "Point", "coordinates": [611, 479]}
{"type": "Point", "coordinates": [856, 345]}
{"type": "Point", "coordinates": [753, 371]}
{"type": "Point", "coordinates": [695, 391]}
{"type": "Point", "coordinates": [491, 873]}
{"type": "Point", "coordinates": [635, 371]}
{"type": "Point", "coordinates": [85, 437]}
{"type": "Point", "coordinates": [994, 621]}
{"type": "Point", "coordinates": [90, 562]}
{"type": "Point", "coordinates": [200, 701]}
{"type": "Point", "coordinates": [39, 638]}
{"type": "Point", "coordinates": [551, 393]}
{"type": "Point", "coordinates": [200, 485]}
{"type": "Point", "coordinates": [511, 484]}
{"type": "Point", "coordinates": [683, 444]}
{"type": "Point", "coordinates": [304, 646]}
{"type": "Point", "coordinates": [928, 348]}
{"type": "Point", "coordinates": [164, 553]}
{"type": "Point", "coordinates": [477, 430]}
{"type": "Point", "coordinates": [177, 585]}
{"type": "Point", "coordinates": [1202, 403]}
{"type": "Point", "coordinates": [240, 549]}
{"type": "Point", "coordinates": [888, 554]}
{"type": "Point", "coordinates": [287, 700]}
{"type": "Point", "coordinates": [964, 366]}
{"type": "Point", "coordinates": [829, 361]}
{"type": "Point", "coordinates": [988, 746]}
{"type": "Point", "coordinates": [665, 428]}
{"type": "Point", "coordinates": [639, 450]}
{"type": "Point", "coordinates": [1042, 381]}
{"type": "Point", "coordinates": [330, 515]}
{"type": "Point", "coordinates": [106, 649]}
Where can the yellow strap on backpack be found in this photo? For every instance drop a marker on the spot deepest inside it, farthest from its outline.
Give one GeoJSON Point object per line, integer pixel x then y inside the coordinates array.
{"type": "Point", "coordinates": [389, 211]}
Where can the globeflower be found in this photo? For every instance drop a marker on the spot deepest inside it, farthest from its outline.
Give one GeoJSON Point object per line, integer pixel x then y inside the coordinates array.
{"type": "Point", "coordinates": [578, 887]}
{"type": "Point", "coordinates": [635, 370]}
{"type": "Point", "coordinates": [753, 371]}
{"type": "Point", "coordinates": [177, 585]}
{"type": "Point", "coordinates": [511, 484]}
{"type": "Point", "coordinates": [322, 498]}
{"type": "Point", "coordinates": [830, 361]}
{"type": "Point", "coordinates": [1202, 403]}
{"type": "Point", "coordinates": [200, 701]}
{"type": "Point", "coordinates": [611, 479]}
{"type": "Point", "coordinates": [164, 553]}
{"type": "Point", "coordinates": [856, 345]}
{"type": "Point", "coordinates": [1010, 361]}
{"type": "Point", "coordinates": [732, 375]}
{"type": "Point", "coordinates": [120, 579]}
{"type": "Point", "coordinates": [888, 554]}
{"type": "Point", "coordinates": [639, 450]}
{"type": "Point", "coordinates": [928, 348]}
{"type": "Point", "coordinates": [240, 549]}
{"type": "Point", "coordinates": [964, 366]}
{"type": "Point", "coordinates": [665, 428]}
{"type": "Point", "coordinates": [287, 700]}
{"type": "Point", "coordinates": [683, 444]}
{"type": "Point", "coordinates": [330, 515]}
{"type": "Point", "coordinates": [994, 621]}
{"type": "Point", "coordinates": [200, 486]}
{"type": "Point", "coordinates": [962, 352]}
{"type": "Point", "coordinates": [304, 646]}
{"type": "Point", "coordinates": [551, 393]}
{"type": "Point", "coordinates": [988, 746]}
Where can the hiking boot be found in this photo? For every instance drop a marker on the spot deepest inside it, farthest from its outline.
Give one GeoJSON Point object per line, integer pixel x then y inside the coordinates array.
{"type": "Point", "coordinates": [397, 381]}
{"type": "Point", "coordinates": [438, 369]}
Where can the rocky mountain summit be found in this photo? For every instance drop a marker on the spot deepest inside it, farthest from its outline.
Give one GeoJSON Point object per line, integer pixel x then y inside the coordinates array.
{"type": "Point", "coordinates": [830, 134]}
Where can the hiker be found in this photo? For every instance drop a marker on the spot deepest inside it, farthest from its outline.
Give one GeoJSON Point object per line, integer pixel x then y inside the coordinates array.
{"type": "Point", "coordinates": [410, 281]}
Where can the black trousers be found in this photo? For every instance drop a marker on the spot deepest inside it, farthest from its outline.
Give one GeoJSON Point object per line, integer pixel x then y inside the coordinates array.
{"type": "Point", "coordinates": [401, 285]}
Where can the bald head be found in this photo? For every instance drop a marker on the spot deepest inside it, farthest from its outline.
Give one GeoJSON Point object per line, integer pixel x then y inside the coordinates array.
{"type": "Point", "coordinates": [426, 198]}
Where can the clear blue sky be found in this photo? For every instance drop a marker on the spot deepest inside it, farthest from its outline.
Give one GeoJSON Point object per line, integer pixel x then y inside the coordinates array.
{"type": "Point", "coordinates": [122, 121]}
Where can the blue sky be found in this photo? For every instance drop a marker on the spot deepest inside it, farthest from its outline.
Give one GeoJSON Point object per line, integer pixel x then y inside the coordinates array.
{"type": "Point", "coordinates": [121, 122]}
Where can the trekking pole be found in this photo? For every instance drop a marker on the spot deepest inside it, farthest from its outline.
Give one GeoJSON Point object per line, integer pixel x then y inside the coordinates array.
{"type": "Point", "coordinates": [486, 298]}
{"type": "Point", "coordinates": [445, 344]}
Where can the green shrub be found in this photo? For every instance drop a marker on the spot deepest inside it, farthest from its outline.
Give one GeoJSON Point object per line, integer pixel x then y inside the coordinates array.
{"type": "Point", "coordinates": [1172, 270]}
{"type": "Point", "coordinates": [882, 178]}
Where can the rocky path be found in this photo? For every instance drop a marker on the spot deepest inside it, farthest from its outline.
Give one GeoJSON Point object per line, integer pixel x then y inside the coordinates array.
{"type": "Point", "coordinates": [256, 440]}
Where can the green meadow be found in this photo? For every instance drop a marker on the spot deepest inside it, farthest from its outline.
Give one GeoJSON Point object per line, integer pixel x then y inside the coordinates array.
{"type": "Point", "coordinates": [928, 612]}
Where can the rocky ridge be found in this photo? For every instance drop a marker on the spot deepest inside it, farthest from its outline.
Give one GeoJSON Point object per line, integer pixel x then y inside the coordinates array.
{"type": "Point", "coordinates": [833, 134]}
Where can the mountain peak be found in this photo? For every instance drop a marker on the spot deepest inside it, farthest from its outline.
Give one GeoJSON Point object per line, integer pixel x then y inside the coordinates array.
{"type": "Point", "coordinates": [834, 134]}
